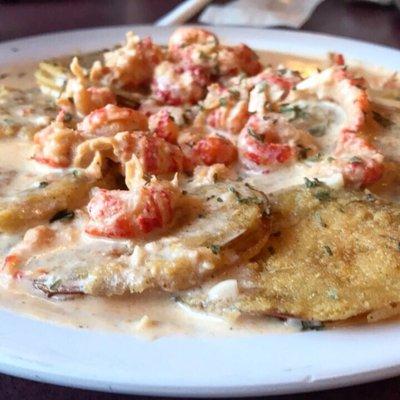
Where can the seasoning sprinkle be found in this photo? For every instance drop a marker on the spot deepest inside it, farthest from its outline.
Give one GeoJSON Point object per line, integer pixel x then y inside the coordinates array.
{"type": "Point", "coordinates": [55, 285]}
{"type": "Point", "coordinates": [328, 250]}
{"type": "Point", "coordinates": [312, 183]}
{"type": "Point", "coordinates": [223, 102]}
{"type": "Point", "coordinates": [43, 184]}
{"type": "Point", "coordinates": [297, 111]}
{"type": "Point", "coordinates": [244, 200]}
{"type": "Point", "coordinates": [322, 195]}
{"type": "Point", "coordinates": [215, 248]}
{"type": "Point", "coordinates": [316, 157]}
{"type": "Point", "coordinates": [356, 160]}
{"type": "Point", "coordinates": [320, 220]}
{"type": "Point", "coordinates": [62, 215]}
{"type": "Point", "coordinates": [302, 151]}
{"type": "Point", "coordinates": [318, 131]}
{"type": "Point", "coordinates": [333, 294]}
{"type": "Point", "coordinates": [255, 135]}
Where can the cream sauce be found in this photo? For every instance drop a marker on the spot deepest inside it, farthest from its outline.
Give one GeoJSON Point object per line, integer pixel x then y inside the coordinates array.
{"type": "Point", "coordinates": [154, 313]}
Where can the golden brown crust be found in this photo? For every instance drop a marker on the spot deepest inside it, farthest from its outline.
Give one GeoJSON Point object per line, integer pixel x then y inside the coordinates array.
{"type": "Point", "coordinates": [327, 260]}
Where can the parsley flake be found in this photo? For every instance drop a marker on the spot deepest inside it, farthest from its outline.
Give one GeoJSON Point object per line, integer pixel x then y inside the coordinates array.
{"type": "Point", "coordinates": [318, 131]}
{"type": "Point", "coordinates": [43, 184]}
{"type": "Point", "coordinates": [312, 183]}
{"type": "Point", "coordinates": [223, 102]}
{"type": "Point", "coordinates": [322, 195]}
{"type": "Point", "coordinates": [328, 250]}
{"type": "Point", "coordinates": [55, 285]}
{"type": "Point", "coordinates": [66, 215]}
{"type": "Point", "coordinates": [215, 248]}
{"type": "Point", "coordinates": [333, 294]}
{"type": "Point", "coordinates": [244, 200]}
{"type": "Point", "coordinates": [255, 135]}
{"type": "Point", "coordinates": [356, 160]}
{"type": "Point", "coordinates": [294, 110]}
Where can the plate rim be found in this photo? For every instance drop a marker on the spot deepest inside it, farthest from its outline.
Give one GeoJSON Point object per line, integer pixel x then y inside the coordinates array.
{"type": "Point", "coordinates": [13, 363]}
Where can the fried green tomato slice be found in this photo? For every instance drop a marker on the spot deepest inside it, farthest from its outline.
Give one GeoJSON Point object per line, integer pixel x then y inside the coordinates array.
{"type": "Point", "coordinates": [43, 202]}
{"type": "Point", "coordinates": [332, 255]}
{"type": "Point", "coordinates": [218, 225]}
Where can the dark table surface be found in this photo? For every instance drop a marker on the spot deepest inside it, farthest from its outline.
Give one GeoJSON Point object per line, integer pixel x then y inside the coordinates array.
{"type": "Point", "coordinates": [351, 19]}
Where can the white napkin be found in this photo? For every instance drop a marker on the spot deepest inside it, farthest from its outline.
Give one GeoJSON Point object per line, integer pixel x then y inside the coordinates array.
{"type": "Point", "coordinates": [291, 13]}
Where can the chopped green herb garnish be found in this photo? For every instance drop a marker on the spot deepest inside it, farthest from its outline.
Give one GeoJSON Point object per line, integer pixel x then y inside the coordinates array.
{"type": "Point", "coordinates": [369, 197]}
{"type": "Point", "coordinates": [296, 110]}
{"type": "Point", "coordinates": [316, 157]}
{"type": "Point", "coordinates": [320, 221]}
{"type": "Point", "coordinates": [219, 200]}
{"type": "Point", "coordinates": [255, 135]}
{"type": "Point", "coordinates": [62, 215]}
{"type": "Point", "coordinates": [302, 151]}
{"type": "Point", "coordinates": [215, 248]}
{"type": "Point", "coordinates": [381, 120]}
{"type": "Point", "coordinates": [322, 195]}
{"type": "Point", "coordinates": [356, 160]}
{"type": "Point", "coordinates": [328, 250]}
{"type": "Point", "coordinates": [176, 298]}
{"type": "Point", "coordinates": [330, 159]}
{"type": "Point", "coordinates": [312, 326]}
{"type": "Point", "coordinates": [55, 285]}
{"type": "Point", "coordinates": [204, 56]}
{"type": "Point", "coordinates": [244, 200]}
{"type": "Point", "coordinates": [318, 131]}
{"type": "Point", "coordinates": [223, 102]}
{"type": "Point", "coordinates": [333, 294]}
{"type": "Point", "coordinates": [312, 183]}
{"type": "Point", "coordinates": [43, 184]}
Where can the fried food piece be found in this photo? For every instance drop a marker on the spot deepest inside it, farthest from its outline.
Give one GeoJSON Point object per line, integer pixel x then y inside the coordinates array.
{"type": "Point", "coordinates": [221, 224]}
{"type": "Point", "coordinates": [43, 202]}
{"type": "Point", "coordinates": [332, 255]}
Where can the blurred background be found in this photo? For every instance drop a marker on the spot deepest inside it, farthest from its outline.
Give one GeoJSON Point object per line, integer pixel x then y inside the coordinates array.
{"type": "Point", "coordinates": [374, 21]}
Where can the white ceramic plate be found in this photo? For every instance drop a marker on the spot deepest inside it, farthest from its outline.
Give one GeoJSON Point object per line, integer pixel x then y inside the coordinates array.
{"type": "Point", "coordinates": [184, 366]}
